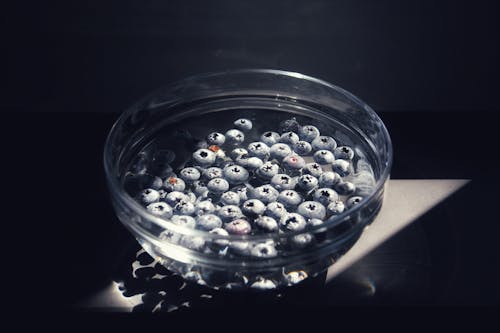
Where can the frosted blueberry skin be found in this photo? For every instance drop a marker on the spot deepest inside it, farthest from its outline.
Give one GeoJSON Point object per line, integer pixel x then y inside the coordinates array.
{"type": "Point", "coordinates": [328, 179]}
{"type": "Point", "coordinates": [229, 213]}
{"type": "Point", "coordinates": [258, 149]}
{"type": "Point", "coordinates": [251, 163]}
{"type": "Point", "coordinates": [293, 162]}
{"type": "Point", "coordinates": [174, 184]}
{"type": "Point", "coordinates": [204, 207]}
{"type": "Point", "coordinates": [324, 142]}
{"type": "Point", "coordinates": [279, 151]}
{"type": "Point", "coordinates": [230, 198]}
{"type": "Point", "coordinates": [275, 210]}
{"type": "Point", "coordinates": [342, 167]}
{"type": "Point", "coordinates": [266, 223]}
{"type": "Point", "coordinates": [161, 209]}
{"type": "Point", "coordinates": [218, 185]}
{"type": "Point", "coordinates": [243, 124]}
{"type": "Point", "coordinates": [289, 198]}
{"type": "Point", "coordinates": [235, 136]}
{"type": "Point", "coordinates": [353, 201]}
{"type": "Point", "coordinates": [289, 125]}
{"type": "Point", "coordinates": [313, 169]}
{"type": "Point", "coordinates": [293, 222]}
{"type": "Point", "coordinates": [253, 207]}
{"type": "Point", "coordinates": [302, 240]}
{"type": "Point", "coordinates": [265, 193]}
{"type": "Point", "coordinates": [216, 138]}
{"type": "Point", "coordinates": [344, 153]}
{"type": "Point", "coordinates": [172, 198]}
{"type": "Point", "coordinates": [193, 242]}
{"type": "Point", "coordinates": [323, 157]}
{"type": "Point", "coordinates": [263, 250]}
{"type": "Point", "coordinates": [335, 208]}
{"type": "Point", "coordinates": [148, 196]}
{"type": "Point", "coordinates": [270, 138]}
{"type": "Point", "coordinates": [238, 152]}
{"type": "Point", "coordinates": [308, 133]}
{"type": "Point", "coordinates": [242, 191]}
{"type": "Point", "coordinates": [208, 222]}
{"type": "Point", "coordinates": [283, 181]}
{"type": "Point", "coordinates": [190, 174]}
{"type": "Point", "coordinates": [307, 182]}
{"type": "Point", "coordinates": [325, 196]}
{"type": "Point", "coordinates": [312, 210]}
{"type": "Point", "coordinates": [211, 173]}
{"type": "Point", "coordinates": [220, 232]}
{"type": "Point", "coordinates": [235, 174]}
{"type": "Point", "coordinates": [289, 138]}
{"type": "Point", "coordinates": [199, 187]}
{"type": "Point", "coordinates": [184, 207]}
{"type": "Point", "coordinates": [314, 222]}
{"type": "Point", "coordinates": [268, 170]}
{"type": "Point", "coordinates": [345, 188]}
{"type": "Point", "coordinates": [204, 157]}
{"type": "Point", "coordinates": [302, 148]}
{"type": "Point", "coordinates": [184, 221]}
{"type": "Point", "coordinates": [238, 227]}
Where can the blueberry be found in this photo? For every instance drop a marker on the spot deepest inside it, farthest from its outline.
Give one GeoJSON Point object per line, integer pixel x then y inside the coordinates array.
{"type": "Point", "coordinates": [184, 220]}
{"type": "Point", "coordinates": [263, 250]}
{"type": "Point", "coordinates": [218, 185]}
{"type": "Point", "coordinates": [238, 227]}
{"type": "Point", "coordinates": [230, 198]}
{"type": "Point", "coordinates": [312, 210]}
{"type": "Point", "coordinates": [307, 182]}
{"type": "Point", "coordinates": [289, 198]}
{"type": "Point", "coordinates": [184, 207]}
{"type": "Point", "coordinates": [250, 163]}
{"type": "Point", "coordinates": [243, 191]}
{"type": "Point", "coordinates": [173, 183]}
{"type": "Point", "coordinates": [160, 209]}
{"type": "Point", "coordinates": [265, 193]}
{"type": "Point", "coordinates": [325, 196]}
{"type": "Point", "coordinates": [192, 197]}
{"type": "Point", "coordinates": [279, 151]}
{"type": "Point", "coordinates": [243, 124]}
{"type": "Point", "coordinates": [208, 222]}
{"type": "Point", "coordinates": [263, 284]}
{"type": "Point", "coordinates": [270, 138]}
{"type": "Point", "coordinates": [283, 181]}
{"type": "Point", "coordinates": [275, 210]}
{"type": "Point", "coordinates": [240, 247]}
{"type": "Point", "coordinates": [315, 222]}
{"type": "Point", "coordinates": [345, 188]}
{"type": "Point", "coordinates": [302, 148]}
{"type": "Point", "coordinates": [308, 133]}
{"type": "Point", "coordinates": [200, 188]}
{"type": "Point", "coordinates": [344, 153]}
{"type": "Point", "coordinates": [313, 169]}
{"type": "Point", "coordinates": [302, 240]}
{"type": "Point", "coordinates": [266, 223]}
{"type": "Point", "coordinates": [293, 162]}
{"type": "Point", "coordinates": [235, 174]}
{"type": "Point", "coordinates": [253, 207]}
{"type": "Point", "coordinates": [216, 138]}
{"type": "Point", "coordinates": [212, 172]}
{"type": "Point", "coordinates": [353, 201]}
{"type": "Point", "coordinates": [149, 196]}
{"type": "Point", "coordinates": [268, 170]}
{"type": "Point", "coordinates": [324, 142]}
{"type": "Point", "coordinates": [258, 149]}
{"type": "Point", "coordinates": [190, 174]}
{"type": "Point", "coordinates": [234, 136]}
{"type": "Point", "coordinates": [295, 277]}
{"type": "Point", "coordinates": [335, 207]}
{"type": "Point", "coordinates": [169, 236]}
{"type": "Point", "coordinates": [220, 232]}
{"type": "Point", "coordinates": [204, 157]}
{"type": "Point", "coordinates": [323, 156]}
{"type": "Point", "coordinates": [342, 167]}
{"type": "Point", "coordinates": [289, 125]}
{"type": "Point", "coordinates": [229, 213]}
{"type": "Point", "coordinates": [293, 222]}
{"type": "Point", "coordinates": [289, 138]}
{"type": "Point", "coordinates": [174, 197]}
{"type": "Point", "coordinates": [193, 242]}
{"type": "Point", "coordinates": [238, 152]}
{"type": "Point", "coordinates": [328, 179]}
{"type": "Point", "coordinates": [204, 207]}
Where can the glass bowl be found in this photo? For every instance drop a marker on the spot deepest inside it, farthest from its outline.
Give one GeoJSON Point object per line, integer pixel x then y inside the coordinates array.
{"type": "Point", "coordinates": [157, 136]}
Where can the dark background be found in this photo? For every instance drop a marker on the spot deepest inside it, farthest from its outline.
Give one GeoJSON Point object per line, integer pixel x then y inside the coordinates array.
{"type": "Point", "coordinates": [429, 68]}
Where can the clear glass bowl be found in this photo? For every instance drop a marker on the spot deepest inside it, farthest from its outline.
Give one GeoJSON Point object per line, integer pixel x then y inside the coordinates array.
{"type": "Point", "coordinates": [173, 117]}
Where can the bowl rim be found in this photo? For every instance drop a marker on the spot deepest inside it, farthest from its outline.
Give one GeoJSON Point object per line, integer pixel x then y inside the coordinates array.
{"type": "Point", "coordinates": [116, 189]}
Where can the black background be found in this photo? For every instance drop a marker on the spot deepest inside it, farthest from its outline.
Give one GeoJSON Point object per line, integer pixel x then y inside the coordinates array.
{"type": "Point", "coordinates": [429, 68]}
